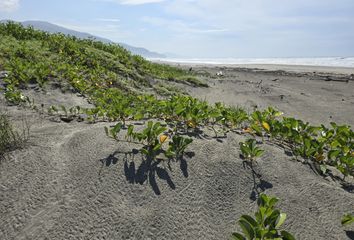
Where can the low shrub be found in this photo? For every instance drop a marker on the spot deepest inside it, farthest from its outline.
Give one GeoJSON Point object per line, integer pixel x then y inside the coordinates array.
{"type": "Point", "coordinates": [250, 150]}
{"type": "Point", "coordinates": [266, 224]}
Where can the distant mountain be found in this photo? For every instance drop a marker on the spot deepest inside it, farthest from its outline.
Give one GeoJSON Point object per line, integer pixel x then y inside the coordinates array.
{"type": "Point", "coordinates": [52, 28]}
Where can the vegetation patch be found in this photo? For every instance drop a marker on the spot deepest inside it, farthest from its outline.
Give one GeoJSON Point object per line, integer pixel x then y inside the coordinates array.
{"type": "Point", "coordinates": [250, 150]}
{"type": "Point", "coordinates": [11, 138]}
{"type": "Point", "coordinates": [266, 224]}
{"type": "Point", "coordinates": [32, 56]}
{"type": "Point", "coordinates": [192, 80]}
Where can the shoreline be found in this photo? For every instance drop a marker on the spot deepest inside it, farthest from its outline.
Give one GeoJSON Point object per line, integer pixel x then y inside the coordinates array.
{"type": "Point", "coordinates": [267, 67]}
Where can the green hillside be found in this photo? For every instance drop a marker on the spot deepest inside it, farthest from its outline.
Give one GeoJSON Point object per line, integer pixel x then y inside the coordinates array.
{"type": "Point", "coordinates": [36, 57]}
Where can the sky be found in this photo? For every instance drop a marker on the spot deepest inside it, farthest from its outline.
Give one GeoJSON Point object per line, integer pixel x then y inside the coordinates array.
{"type": "Point", "coordinates": [205, 28]}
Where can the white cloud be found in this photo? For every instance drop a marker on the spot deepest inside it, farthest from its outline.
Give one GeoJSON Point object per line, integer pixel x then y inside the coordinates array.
{"type": "Point", "coordinates": [9, 5]}
{"type": "Point", "coordinates": [256, 27]}
{"type": "Point", "coordinates": [239, 15]}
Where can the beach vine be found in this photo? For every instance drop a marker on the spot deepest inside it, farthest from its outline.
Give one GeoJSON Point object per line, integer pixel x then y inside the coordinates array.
{"type": "Point", "coordinates": [114, 81]}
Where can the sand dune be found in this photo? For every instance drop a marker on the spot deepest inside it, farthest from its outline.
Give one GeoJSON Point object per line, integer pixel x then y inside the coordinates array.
{"type": "Point", "coordinates": [72, 182]}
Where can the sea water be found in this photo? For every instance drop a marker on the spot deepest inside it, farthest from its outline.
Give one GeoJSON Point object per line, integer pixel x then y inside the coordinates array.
{"type": "Point", "coordinates": [317, 61]}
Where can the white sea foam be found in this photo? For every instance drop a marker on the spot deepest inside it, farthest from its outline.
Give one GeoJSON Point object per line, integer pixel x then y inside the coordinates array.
{"type": "Point", "coordinates": [323, 61]}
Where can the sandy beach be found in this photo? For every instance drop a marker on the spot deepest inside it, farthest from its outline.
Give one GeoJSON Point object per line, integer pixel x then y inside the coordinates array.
{"type": "Point", "coordinates": [72, 182]}
{"type": "Point", "coordinates": [314, 94]}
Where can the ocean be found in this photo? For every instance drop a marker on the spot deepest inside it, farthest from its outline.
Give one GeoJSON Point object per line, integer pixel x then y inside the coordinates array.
{"type": "Point", "coordinates": [317, 61]}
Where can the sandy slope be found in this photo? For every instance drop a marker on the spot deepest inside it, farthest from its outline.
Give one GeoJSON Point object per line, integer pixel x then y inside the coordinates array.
{"type": "Point", "coordinates": [72, 182]}
{"type": "Point", "coordinates": [317, 97]}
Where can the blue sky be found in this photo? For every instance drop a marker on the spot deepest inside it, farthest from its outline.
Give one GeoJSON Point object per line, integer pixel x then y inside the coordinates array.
{"type": "Point", "coordinates": [205, 28]}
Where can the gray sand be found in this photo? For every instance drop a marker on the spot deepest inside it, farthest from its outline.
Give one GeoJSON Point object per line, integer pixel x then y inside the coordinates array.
{"type": "Point", "coordinates": [72, 182]}
{"type": "Point", "coordinates": [270, 67]}
{"type": "Point", "coordinates": [314, 96]}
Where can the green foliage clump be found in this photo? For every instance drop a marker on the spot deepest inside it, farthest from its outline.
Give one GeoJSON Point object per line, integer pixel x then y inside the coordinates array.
{"type": "Point", "coordinates": [149, 138]}
{"type": "Point", "coordinates": [152, 138]}
{"type": "Point", "coordinates": [250, 150]}
{"type": "Point", "coordinates": [323, 146]}
{"type": "Point", "coordinates": [191, 80]}
{"type": "Point", "coordinates": [32, 56]}
{"type": "Point", "coordinates": [167, 90]}
{"type": "Point", "coordinates": [14, 96]}
{"type": "Point", "coordinates": [267, 222]}
{"type": "Point", "coordinates": [177, 146]}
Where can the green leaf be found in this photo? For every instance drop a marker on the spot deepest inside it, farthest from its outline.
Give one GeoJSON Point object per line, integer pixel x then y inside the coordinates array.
{"type": "Point", "coordinates": [259, 216]}
{"type": "Point", "coordinates": [247, 229]}
{"type": "Point", "coordinates": [263, 200]}
{"type": "Point", "coordinates": [144, 151]}
{"type": "Point", "coordinates": [130, 130]}
{"type": "Point", "coordinates": [259, 152]}
{"type": "Point", "coordinates": [286, 235]}
{"type": "Point", "coordinates": [157, 147]}
{"type": "Point", "coordinates": [257, 129]}
{"type": "Point", "coordinates": [150, 123]}
{"type": "Point", "coordinates": [272, 202]}
{"type": "Point", "coordinates": [138, 116]}
{"type": "Point", "coordinates": [271, 234]}
{"type": "Point", "coordinates": [170, 153]}
{"type": "Point", "coordinates": [237, 236]}
{"type": "Point", "coordinates": [335, 144]}
{"type": "Point", "coordinates": [159, 131]}
{"type": "Point", "coordinates": [280, 220]}
{"type": "Point", "coordinates": [116, 129]}
{"type": "Point", "coordinates": [250, 220]}
{"type": "Point", "coordinates": [347, 219]}
{"type": "Point", "coordinates": [272, 217]}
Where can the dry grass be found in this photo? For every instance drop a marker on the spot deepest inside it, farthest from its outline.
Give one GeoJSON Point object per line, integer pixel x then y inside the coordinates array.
{"type": "Point", "coordinates": [10, 137]}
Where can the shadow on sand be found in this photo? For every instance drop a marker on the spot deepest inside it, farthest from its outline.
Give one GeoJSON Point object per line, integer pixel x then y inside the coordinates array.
{"type": "Point", "coordinates": [148, 169]}
{"type": "Point", "coordinates": [259, 185]}
{"type": "Point", "coordinates": [350, 234]}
